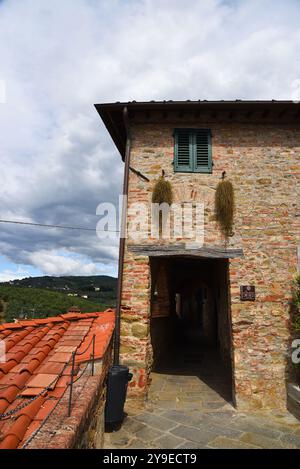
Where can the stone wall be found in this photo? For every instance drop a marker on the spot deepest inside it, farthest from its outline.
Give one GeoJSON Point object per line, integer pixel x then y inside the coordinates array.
{"type": "Point", "coordinates": [224, 320]}
{"type": "Point", "coordinates": [263, 163]}
{"type": "Point", "coordinates": [135, 348]}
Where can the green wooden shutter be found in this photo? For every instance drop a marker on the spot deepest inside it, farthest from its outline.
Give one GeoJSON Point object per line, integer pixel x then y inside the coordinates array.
{"type": "Point", "coordinates": [192, 150]}
{"type": "Point", "coordinates": [202, 151]}
{"type": "Point", "coordinates": [183, 150]}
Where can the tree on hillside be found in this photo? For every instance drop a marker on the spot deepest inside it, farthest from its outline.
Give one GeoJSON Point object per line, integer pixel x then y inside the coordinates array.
{"type": "Point", "coordinates": [39, 303]}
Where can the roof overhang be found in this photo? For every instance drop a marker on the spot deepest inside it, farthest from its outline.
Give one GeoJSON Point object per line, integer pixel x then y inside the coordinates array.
{"type": "Point", "coordinates": [257, 111]}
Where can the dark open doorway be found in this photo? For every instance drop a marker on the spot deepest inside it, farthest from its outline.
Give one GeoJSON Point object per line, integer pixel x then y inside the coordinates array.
{"type": "Point", "coordinates": [190, 320]}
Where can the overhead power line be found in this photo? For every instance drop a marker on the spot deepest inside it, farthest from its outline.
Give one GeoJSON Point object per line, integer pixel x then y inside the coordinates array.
{"type": "Point", "coordinates": [63, 227]}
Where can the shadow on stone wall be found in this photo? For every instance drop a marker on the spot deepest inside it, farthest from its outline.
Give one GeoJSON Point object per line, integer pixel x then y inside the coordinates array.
{"type": "Point", "coordinates": [292, 378]}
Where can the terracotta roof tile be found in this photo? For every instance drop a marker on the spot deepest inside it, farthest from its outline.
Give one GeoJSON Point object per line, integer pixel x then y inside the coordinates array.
{"type": "Point", "coordinates": [9, 393]}
{"type": "Point", "coordinates": [40, 356]}
{"type": "Point", "coordinates": [5, 367]}
{"type": "Point", "coordinates": [54, 336]}
{"type": "Point", "coordinates": [44, 320]}
{"type": "Point", "coordinates": [45, 409]}
{"type": "Point", "coordinates": [31, 429]}
{"type": "Point", "coordinates": [30, 367]}
{"type": "Point", "coordinates": [63, 325]}
{"type": "Point", "coordinates": [51, 368]}
{"type": "Point", "coordinates": [17, 356]}
{"type": "Point", "coordinates": [62, 382]}
{"type": "Point", "coordinates": [75, 333]}
{"type": "Point", "coordinates": [8, 379]}
{"type": "Point", "coordinates": [61, 357]}
{"type": "Point", "coordinates": [9, 442]}
{"type": "Point", "coordinates": [31, 392]}
{"type": "Point", "coordinates": [52, 320]}
{"type": "Point", "coordinates": [46, 349]}
{"type": "Point", "coordinates": [10, 343]}
{"type": "Point", "coordinates": [66, 348]}
{"type": "Point", "coordinates": [64, 341]}
{"type": "Point", "coordinates": [21, 379]}
{"type": "Point", "coordinates": [78, 327]}
{"type": "Point", "coordinates": [37, 351]}
{"type": "Point", "coordinates": [12, 325]}
{"type": "Point", "coordinates": [51, 341]}
{"type": "Point", "coordinates": [17, 401]}
{"type": "Point", "coordinates": [42, 380]}
{"type": "Point", "coordinates": [25, 348]}
{"type": "Point", "coordinates": [32, 341]}
{"type": "Point", "coordinates": [57, 392]}
{"type": "Point", "coordinates": [84, 357]}
{"type": "Point", "coordinates": [70, 316]}
{"type": "Point", "coordinates": [27, 322]}
{"type": "Point", "coordinates": [67, 371]}
{"type": "Point", "coordinates": [32, 409]}
{"type": "Point", "coordinates": [27, 358]}
{"type": "Point", "coordinates": [19, 427]}
{"type": "Point", "coordinates": [3, 405]}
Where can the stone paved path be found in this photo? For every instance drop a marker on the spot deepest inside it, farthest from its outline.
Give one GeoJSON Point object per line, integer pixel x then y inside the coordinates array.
{"type": "Point", "coordinates": [191, 409]}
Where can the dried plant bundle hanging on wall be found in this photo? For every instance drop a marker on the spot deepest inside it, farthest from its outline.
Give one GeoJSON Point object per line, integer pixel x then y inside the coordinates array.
{"type": "Point", "coordinates": [224, 206]}
{"type": "Point", "coordinates": [162, 192]}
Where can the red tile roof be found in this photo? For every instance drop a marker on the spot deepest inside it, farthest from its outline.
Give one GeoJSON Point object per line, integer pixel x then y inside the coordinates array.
{"type": "Point", "coordinates": [37, 356]}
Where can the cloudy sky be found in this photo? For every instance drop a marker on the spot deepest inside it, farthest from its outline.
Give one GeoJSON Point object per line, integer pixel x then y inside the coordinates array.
{"type": "Point", "coordinates": [58, 58]}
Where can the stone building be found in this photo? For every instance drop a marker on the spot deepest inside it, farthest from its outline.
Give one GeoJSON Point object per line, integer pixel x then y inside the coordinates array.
{"type": "Point", "coordinates": [176, 286]}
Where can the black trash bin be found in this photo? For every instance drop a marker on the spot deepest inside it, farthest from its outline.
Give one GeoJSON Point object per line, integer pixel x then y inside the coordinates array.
{"type": "Point", "coordinates": [117, 381]}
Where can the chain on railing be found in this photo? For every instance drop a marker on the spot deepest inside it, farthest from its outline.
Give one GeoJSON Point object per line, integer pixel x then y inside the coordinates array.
{"type": "Point", "coordinates": [72, 359]}
{"type": "Point", "coordinates": [10, 413]}
{"type": "Point", "coordinates": [32, 436]}
{"type": "Point", "coordinates": [92, 357]}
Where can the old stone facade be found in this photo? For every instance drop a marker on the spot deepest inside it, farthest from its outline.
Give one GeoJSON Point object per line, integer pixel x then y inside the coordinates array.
{"type": "Point", "coordinates": [260, 151]}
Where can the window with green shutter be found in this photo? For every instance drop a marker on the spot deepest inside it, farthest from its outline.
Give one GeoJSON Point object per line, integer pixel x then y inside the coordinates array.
{"type": "Point", "coordinates": [192, 151]}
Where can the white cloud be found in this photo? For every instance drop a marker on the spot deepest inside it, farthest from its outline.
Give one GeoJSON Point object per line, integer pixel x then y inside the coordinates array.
{"type": "Point", "coordinates": [2, 91]}
{"type": "Point", "coordinates": [59, 58]}
{"type": "Point", "coordinates": [60, 263]}
{"type": "Point", "coordinates": [8, 274]}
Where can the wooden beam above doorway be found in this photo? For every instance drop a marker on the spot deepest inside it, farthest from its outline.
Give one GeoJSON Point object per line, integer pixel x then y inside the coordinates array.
{"type": "Point", "coordinates": [160, 250]}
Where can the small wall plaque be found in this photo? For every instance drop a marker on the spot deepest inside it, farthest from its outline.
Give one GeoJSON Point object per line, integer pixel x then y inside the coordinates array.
{"type": "Point", "coordinates": [247, 292]}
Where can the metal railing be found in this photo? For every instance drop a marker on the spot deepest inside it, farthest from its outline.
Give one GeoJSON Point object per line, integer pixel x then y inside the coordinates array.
{"type": "Point", "coordinates": [71, 383]}
{"type": "Point", "coordinates": [73, 358]}
{"type": "Point", "coordinates": [10, 413]}
{"type": "Point", "coordinates": [73, 380]}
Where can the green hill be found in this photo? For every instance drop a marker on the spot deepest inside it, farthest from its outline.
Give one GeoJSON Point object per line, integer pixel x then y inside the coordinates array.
{"type": "Point", "coordinates": [30, 302]}
{"type": "Point", "coordinates": [99, 289]}
{"type": "Point", "coordinates": [67, 283]}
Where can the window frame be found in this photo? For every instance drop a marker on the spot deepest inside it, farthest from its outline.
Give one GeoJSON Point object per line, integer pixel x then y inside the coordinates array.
{"type": "Point", "coordinates": [192, 167]}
